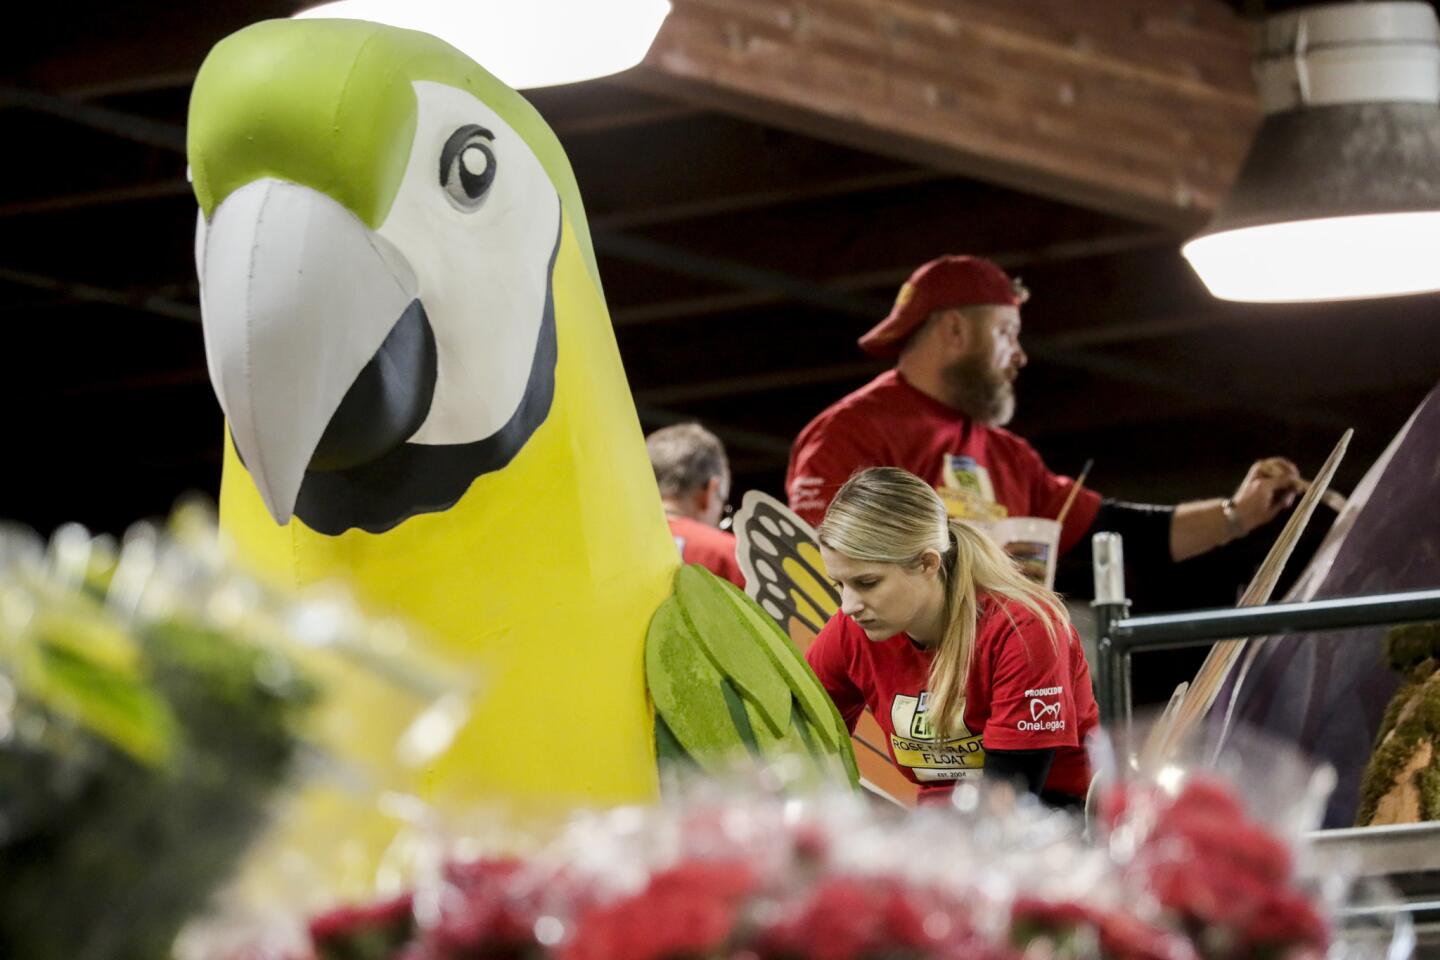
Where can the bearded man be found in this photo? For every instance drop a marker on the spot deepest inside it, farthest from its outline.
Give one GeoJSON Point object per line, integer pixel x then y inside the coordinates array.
{"type": "Point", "coordinates": [954, 334]}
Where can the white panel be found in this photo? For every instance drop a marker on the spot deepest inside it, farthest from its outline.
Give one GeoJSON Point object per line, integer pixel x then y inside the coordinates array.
{"type": "Point", "coordinates": [482, 275]}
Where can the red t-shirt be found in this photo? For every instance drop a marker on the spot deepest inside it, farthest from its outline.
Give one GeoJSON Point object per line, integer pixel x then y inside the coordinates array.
{"type": "Point", "coordinates": [712, 549]}
{"type": "Point", "coordinates": [1022, 694]}
{"type": "Point", "coordinates": [888, 423]}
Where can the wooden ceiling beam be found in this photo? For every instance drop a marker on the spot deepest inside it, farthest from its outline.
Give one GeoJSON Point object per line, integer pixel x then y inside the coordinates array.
{"type": "Point", "coordinates": [128, 126]}
{"type": "Point", "coordinates": [622, 119]}
{"type": "Point", "coordinates": [703, 306]}
{"type": "Point", "coordinates": [143, 301]}
{"type": "Point", "coordinates": [110, 49]}
{"type": "Point", "coordinates": [708, 165]}
{"type": "Point", "coordinates": [1136, 107]}
{"type": "Point", "coordinates": [891, 230]}
{"type": "Point", "coordinates": [887, 279]}
{"type": "Point", "coordinates": [770, 196]}
{"type": "Point", "coordinates": [754, 441]}
{"type": "Point", "coordinates": [1141, 108]}
{"type": "Point", "coordinates": [96, 198]}
{"type": "Point", "coordinates": [701, 390]}
{"type": "Point", "coordinates": [734, 273]}
{"type": "Point", "coordinates": [103, 88]}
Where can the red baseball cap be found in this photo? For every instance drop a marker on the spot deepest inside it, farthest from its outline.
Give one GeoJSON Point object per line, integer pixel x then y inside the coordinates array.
{"type": "Point", "coordinates": [944, 282]}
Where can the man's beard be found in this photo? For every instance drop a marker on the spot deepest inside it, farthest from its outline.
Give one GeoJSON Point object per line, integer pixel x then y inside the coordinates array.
{"type": "Point", "coordinates": [981, 392]}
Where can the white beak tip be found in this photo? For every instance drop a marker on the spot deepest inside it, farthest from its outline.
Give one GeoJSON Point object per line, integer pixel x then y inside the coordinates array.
{"type": "Point", "coordinates": [280, 511]}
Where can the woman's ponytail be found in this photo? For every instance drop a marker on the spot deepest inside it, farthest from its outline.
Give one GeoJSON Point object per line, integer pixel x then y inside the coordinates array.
{"type": "Point", "coordinates": [976, 567]}
{"type": "Point", "coordinates": [886, 515]}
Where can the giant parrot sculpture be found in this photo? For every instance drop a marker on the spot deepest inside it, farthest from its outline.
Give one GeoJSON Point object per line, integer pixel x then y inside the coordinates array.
{"type": "Point", "coordinates": [405, 328]}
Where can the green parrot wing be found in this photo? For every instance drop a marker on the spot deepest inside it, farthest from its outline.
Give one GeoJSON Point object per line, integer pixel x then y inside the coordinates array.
{"type": "Point", "coordinates": [727, 683]}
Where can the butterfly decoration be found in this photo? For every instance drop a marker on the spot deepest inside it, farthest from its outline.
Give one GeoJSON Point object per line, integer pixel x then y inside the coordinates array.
{"type": "Point", "coordinates": [780, 556]}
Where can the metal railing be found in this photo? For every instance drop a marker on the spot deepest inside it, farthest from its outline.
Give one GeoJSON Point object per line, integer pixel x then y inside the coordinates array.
{"type": "Point", "coordinates": [1121, 636]}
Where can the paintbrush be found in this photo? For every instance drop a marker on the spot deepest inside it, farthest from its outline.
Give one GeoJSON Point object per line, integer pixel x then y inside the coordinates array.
{"type": "Point", "coordinates": [1074, 491]}
{"type": "Point", "coordinates": [1331, 498]}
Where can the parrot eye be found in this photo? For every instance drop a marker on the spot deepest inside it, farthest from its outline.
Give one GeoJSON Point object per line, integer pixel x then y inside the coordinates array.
{"type": "Point", "coordinates": [467, 167]}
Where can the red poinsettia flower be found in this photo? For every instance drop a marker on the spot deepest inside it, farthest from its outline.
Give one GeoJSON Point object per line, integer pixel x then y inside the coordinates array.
{"type": "Point", "coordinates": [839, 921]}
{"type": "Point", "coordinates": [1056, 928]}
{"type": "Point", "coordinates": [1206, 796]}
{"type": "Point", "coordinates": [1082, 929]}
{"type": "Point", "coordinates": [727, 880]}
{"type": "Point", "coordinates": [924, 920]}
{"type": "Point", "coordinates": [365, 932]}
{"type": "Point", "coordinates": [1285, 919]}
{"type": "Point", "coordinates": [688, 910]}
{"type": "Point", "coordinates": [1198, 797]}
{"type": "Point", "coordinates": [848, 918]}
{"type": "Point", "coordinates": [254, 952]}
{"type": "Point", "coordinates": [811, 845]}
{"type": "Point", "coordinates": [1049, 914]}
{"type": "Point", "coordinates": [1206, 890]}
{"type": "Point", "coordinates": [1127, 937]}
{"type": "Point", "coordinates": [1224, 877]}
{"type": "Point", "coordinates": [481, 915]}
{"type": "Point", "coordinates": [1242, 845]}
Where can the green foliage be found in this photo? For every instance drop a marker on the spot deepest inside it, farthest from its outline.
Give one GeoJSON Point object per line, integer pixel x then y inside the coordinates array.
{"type": "Point", "coordinates": [727, 682]}
{"type": "Point", "coordinates": [137, 769]}
{"type": "Point", "coordinates": [1411, 719]}
{"type": "Point", "coordinates": [1411, 643]}
{"type": "Point", "coordinates": [111, 701]}
{"type": "Point", "coordinates": [688, 690]}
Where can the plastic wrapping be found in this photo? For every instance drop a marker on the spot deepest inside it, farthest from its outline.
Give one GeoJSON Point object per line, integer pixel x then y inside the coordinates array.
{"type": "Point", "coordinates": [1210, 837]}
{"type": "Point", "coordinates": [156, 705]}
{"type": "Point", "coordinates": [1185, 865]}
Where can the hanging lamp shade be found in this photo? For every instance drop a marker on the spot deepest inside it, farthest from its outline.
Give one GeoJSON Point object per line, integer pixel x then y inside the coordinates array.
{"type": "Point", "coordinates": [526, 43]}
{"type": "Point", "coordinates": [1339, 196]}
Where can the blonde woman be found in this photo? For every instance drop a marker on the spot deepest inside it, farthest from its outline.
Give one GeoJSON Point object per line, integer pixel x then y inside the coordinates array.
{"type": "Point", "coordinates": [968, 666]}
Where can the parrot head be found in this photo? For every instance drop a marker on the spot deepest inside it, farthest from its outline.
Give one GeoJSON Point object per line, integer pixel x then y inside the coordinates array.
{"type": "Point", "coordinates": [379, 222]}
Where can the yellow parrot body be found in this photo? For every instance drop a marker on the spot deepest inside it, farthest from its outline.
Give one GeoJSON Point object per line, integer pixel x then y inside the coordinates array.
{"type": "Point", "coordinates": [543, 578]}
{"type": "Point", "coordinates": [424, 398]}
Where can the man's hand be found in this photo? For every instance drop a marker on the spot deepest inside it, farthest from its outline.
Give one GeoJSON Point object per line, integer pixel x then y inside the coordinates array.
{"type": "Point", "coordinates": [1270, 486]}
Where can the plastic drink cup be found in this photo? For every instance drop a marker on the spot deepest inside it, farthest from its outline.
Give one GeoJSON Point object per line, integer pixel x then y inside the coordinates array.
{"type": "Point", "coordinates": [1033, 542]}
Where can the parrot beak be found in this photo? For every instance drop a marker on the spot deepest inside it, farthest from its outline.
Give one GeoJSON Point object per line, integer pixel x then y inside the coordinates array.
{"type": "Point", "coordinates": [298, 298]}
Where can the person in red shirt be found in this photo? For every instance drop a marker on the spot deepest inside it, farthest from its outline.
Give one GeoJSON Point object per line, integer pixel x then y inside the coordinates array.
{"type": "Point", "coordinates": [694, 479]}
{"type": "Point", "coordinates": [939, 413]}
{"type": "Point", "coordinates": [970, 668]}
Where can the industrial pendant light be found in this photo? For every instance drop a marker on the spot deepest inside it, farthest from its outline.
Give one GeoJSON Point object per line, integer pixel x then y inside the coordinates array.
{"type": "Point", "coordinates": [1339, 196]}
{"type": "Point", "coordinates": [526, 43]}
